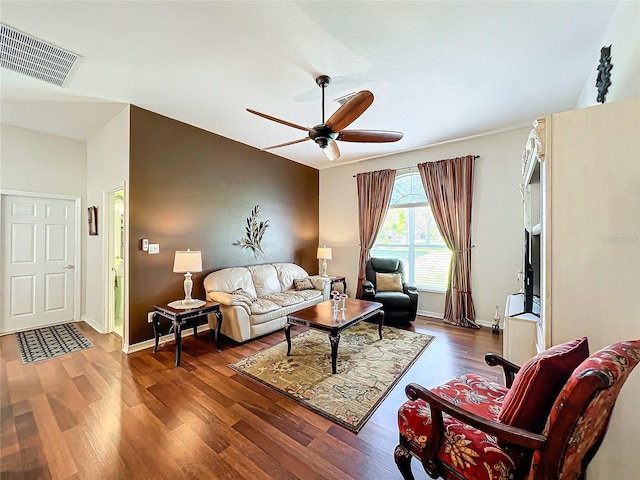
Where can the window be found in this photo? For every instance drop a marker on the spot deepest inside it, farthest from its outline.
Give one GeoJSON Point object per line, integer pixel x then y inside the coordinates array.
{"type": "Point", "coordinates": [410, 233]}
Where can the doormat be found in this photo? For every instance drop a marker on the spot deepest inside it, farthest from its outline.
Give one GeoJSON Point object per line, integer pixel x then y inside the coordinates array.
{"type": "Point", "coordinates": [368, 368]}
{"type": "Point", "coordinates": [47, 342]}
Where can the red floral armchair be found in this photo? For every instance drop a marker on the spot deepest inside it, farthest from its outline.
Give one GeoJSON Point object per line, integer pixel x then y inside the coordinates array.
{"type": "Point", "coordinates": [547, 423]}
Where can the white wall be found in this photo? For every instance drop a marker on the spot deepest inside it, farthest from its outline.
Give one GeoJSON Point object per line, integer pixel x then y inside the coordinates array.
{"type": "Point", "coordinates": [496, 224]}
{"type": "Point", "coordinates": [623, 34]}
{"type": "Point", "coordinates": [107, 169]}
{"type": "Point", "coordinates": [33, 161]}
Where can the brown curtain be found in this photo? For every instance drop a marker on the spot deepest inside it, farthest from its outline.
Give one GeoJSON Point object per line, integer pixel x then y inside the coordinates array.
{"type": "Point", "coordinates": [374, 195]}
{"type": "Point", "coordinates": [449, 188]}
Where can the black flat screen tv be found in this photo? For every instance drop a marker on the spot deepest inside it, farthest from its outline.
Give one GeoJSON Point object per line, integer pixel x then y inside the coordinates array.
{"type": "Point", "coordinates": [532, 273]}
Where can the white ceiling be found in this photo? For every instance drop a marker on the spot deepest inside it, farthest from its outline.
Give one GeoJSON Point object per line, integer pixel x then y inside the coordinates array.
{"type": "Point", "coordinates": [439, 70]}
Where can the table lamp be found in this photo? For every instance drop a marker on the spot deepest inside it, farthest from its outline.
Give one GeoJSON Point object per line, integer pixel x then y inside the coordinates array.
{"type": "Point", "coordinates": [187, 262]}
{"type": "Point", "coordinates": [324, 253]}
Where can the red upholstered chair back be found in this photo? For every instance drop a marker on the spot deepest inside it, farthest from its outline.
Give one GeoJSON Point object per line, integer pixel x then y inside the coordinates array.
{"type": "Point", "coordinates": [580, 415]}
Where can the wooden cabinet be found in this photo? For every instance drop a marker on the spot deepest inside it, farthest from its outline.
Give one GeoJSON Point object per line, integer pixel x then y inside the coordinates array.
{"type": "Point", "coordinates": [520, 331]}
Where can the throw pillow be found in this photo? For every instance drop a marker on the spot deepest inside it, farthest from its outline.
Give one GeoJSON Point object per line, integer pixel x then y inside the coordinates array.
{"type": "Point", "coordinates": [389, 282]}
{"type": "Point", "coordinates": [539, 382]}
{"type": "Point", "coordinates": [303, 284]}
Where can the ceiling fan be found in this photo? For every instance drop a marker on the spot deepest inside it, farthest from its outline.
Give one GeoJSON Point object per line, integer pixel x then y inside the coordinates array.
{"type": "Point", "coordinates": [326, 133]}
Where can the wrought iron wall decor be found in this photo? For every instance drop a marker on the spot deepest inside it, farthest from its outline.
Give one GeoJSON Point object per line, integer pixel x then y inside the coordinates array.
{"type": "Point", "coordinates": [254, 232]}
{"type": "Point", "coordinates": [603, 82]}
{"type": "Point", "coordinates": [92, 217]}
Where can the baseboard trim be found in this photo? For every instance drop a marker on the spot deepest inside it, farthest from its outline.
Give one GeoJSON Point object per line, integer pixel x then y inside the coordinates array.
{"type": "Point", "coordinates": [92, 323]}
{"type": "Point", "coordinates": [136, 347]}
{"type": "Point", "coordinates": [438, 315]}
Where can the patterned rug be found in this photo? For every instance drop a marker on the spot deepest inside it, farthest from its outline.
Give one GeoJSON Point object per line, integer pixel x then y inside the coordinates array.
{"type": "Point", "coordinates": [368, 368]}
{"type": "Point", "coordinates": [48, 342]}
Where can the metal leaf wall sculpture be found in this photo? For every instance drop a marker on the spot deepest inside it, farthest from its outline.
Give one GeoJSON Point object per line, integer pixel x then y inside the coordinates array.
{"type": "Point", "coordinates": [255, 231]}
{"type": "Point", "coordinates": [603, 82]}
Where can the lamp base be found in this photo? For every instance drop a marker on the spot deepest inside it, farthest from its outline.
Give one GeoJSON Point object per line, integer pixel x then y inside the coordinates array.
{"type": "Point", "coordinates": [324, 268]}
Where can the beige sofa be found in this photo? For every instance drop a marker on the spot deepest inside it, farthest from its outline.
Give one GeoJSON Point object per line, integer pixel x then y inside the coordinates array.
{"type": "Point", "coordinates": [256, 300]}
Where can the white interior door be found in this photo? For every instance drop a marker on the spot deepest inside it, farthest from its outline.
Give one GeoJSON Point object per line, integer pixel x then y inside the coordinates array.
{"type": "Point", "coordinates": [38, 258]}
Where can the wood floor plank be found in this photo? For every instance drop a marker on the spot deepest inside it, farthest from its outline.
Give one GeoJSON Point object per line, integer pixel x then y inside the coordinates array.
{"type": "Point", "coordinates": [60, 462]}
{"type": "Point", "coordinates": [101, 414]}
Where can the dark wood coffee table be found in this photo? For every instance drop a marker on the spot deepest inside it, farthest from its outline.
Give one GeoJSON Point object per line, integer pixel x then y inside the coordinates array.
{"type": "Point", "coordinates": [321, 317]}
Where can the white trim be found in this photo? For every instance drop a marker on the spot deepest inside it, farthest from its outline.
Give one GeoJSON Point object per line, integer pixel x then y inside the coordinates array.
{"type": "Point", "coordinates": [108, 222]}
{"type": "Point", "coordinates": [125, 294]}
{"type": "Point", "coordinates": [92, 323]}
{"type": "Point", "coordinates": [136, 347]}
{"type": "Point", "coordinates": [77, 275]}
{"type": "Point", "coordinates": [426, 313]}
{"type": "Point", "coordinates": [57, 196]}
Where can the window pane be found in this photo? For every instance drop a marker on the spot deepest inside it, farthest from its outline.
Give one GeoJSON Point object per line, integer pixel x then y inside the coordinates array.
{"type": "Point", "coordinates": [408, 189]}
{"type": "Point", "coordinates": [411, 234]}
{"type": "Point", "coordinates": [432, 267]}
{"type": "Point", "coordinates": [394, 229]}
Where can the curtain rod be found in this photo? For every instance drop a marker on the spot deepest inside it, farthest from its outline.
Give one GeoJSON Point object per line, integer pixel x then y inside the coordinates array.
{"type": "Point", "coordinates": [414, 166]}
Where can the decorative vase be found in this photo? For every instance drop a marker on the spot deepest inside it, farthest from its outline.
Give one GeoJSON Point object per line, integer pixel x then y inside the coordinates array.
{"type": "Point", "coordinates": [343, 298]}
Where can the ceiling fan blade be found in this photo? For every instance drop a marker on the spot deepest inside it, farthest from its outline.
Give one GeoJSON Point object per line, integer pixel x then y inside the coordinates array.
{"type": "Point", "coordinates": [274, 119]}
{"type": "Point", "coordinates": [369, 136]}
{"type": "Point", "coordinates": [351, 110]}
{"type": "Point", "coordinates": [332, 151]}
{"type": "Point", "coordinates": [285, 144]}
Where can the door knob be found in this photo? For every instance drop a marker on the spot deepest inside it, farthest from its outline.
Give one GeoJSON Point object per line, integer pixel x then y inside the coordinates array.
{"type": "Point", "coordinates": [69, 267]}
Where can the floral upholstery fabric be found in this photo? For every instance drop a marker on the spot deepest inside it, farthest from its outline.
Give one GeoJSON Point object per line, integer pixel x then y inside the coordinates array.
{"type": "Point", "coordinates": [472, 453]}
{"type": "Point", "coordinates": [615, 362]}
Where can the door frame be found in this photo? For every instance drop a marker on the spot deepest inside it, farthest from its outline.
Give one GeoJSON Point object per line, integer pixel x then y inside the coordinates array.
{"type": "Point", "coordinates": [77, 257]}
{"type": "Point", "coordinates": [107, 207]}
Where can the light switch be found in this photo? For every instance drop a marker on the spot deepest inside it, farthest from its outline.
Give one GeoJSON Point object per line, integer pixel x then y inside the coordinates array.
{"type": "Point", "coordinates": [154, 248]}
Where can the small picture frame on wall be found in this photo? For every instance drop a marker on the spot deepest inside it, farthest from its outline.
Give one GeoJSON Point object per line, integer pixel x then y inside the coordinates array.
{"type": "Point", "coordinates": [93, 220]}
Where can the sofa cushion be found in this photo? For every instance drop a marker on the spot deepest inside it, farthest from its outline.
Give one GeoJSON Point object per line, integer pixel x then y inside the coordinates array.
{"type": "Point", "coordinates": [265, 279]}
{"type": "Point", "coordinates": [538, 384]}
{"type": "Point", "coordinates": [229, 280]}
{"type": "Point", "coordinates": [393, 301]}
{"type": "Point", "coordinates": [314, 297]}
{"type": "Point", "coordinates": [244, 295]}
{"type": "Point", "coordinates": [263, 305]}
{"type": "Point", "coordinates": [292, 297]}
{"type": "Point", "coordinates": [287, 273]}
{"type": "Point", "coordinates": [388, 282]}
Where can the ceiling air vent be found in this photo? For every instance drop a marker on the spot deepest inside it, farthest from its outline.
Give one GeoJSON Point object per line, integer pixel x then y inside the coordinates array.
{"type": "Point", "coordinates": [344, 99]}
{"type": "Point", "coordinates": [25, 54]}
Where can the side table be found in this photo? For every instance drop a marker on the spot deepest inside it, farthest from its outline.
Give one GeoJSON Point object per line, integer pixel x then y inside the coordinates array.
{"type": "Point", "coordinates": [338, 279]}
{"type": "Point", "coordinates": [185, 318]}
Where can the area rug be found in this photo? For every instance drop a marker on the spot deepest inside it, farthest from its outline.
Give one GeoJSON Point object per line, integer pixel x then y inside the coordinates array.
{"type": "Point", "coordinates": [48, 342]}
{"type": "Point", "coordinates": [367, 370]}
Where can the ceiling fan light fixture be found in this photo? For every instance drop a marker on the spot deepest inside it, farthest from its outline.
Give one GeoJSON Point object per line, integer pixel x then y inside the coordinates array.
{"type": "Point", "coordinates": [325, 134]}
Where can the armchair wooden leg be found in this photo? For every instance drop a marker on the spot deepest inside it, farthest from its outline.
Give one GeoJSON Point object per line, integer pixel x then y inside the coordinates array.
{"type": "Point", "coordinates": [402, 457]}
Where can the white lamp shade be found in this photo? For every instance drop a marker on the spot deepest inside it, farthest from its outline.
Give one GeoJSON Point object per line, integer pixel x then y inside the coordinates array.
{"type": "Point", "coordinates": [187, 261]}
{"type": "Point", "coordinates": [324, 252]}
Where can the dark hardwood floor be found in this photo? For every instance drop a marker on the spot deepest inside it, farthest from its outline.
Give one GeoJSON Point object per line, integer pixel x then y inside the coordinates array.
{"type": "Point", "coordinates": [101, 414]}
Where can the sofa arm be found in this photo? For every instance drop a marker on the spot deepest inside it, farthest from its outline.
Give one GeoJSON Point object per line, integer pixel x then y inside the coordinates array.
{"type": "Point", "coordinates": [410, 290]}
{"type": "Point", "coordinates": [368, 290]}
{"type": "Point", "coordinates": [223, 298]}
{"type": "Point", "coordinates": [323, 284]}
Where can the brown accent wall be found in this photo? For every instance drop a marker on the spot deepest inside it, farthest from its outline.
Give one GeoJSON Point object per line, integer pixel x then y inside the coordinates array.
{"type": "Point", "coordinates": [190, 188]}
